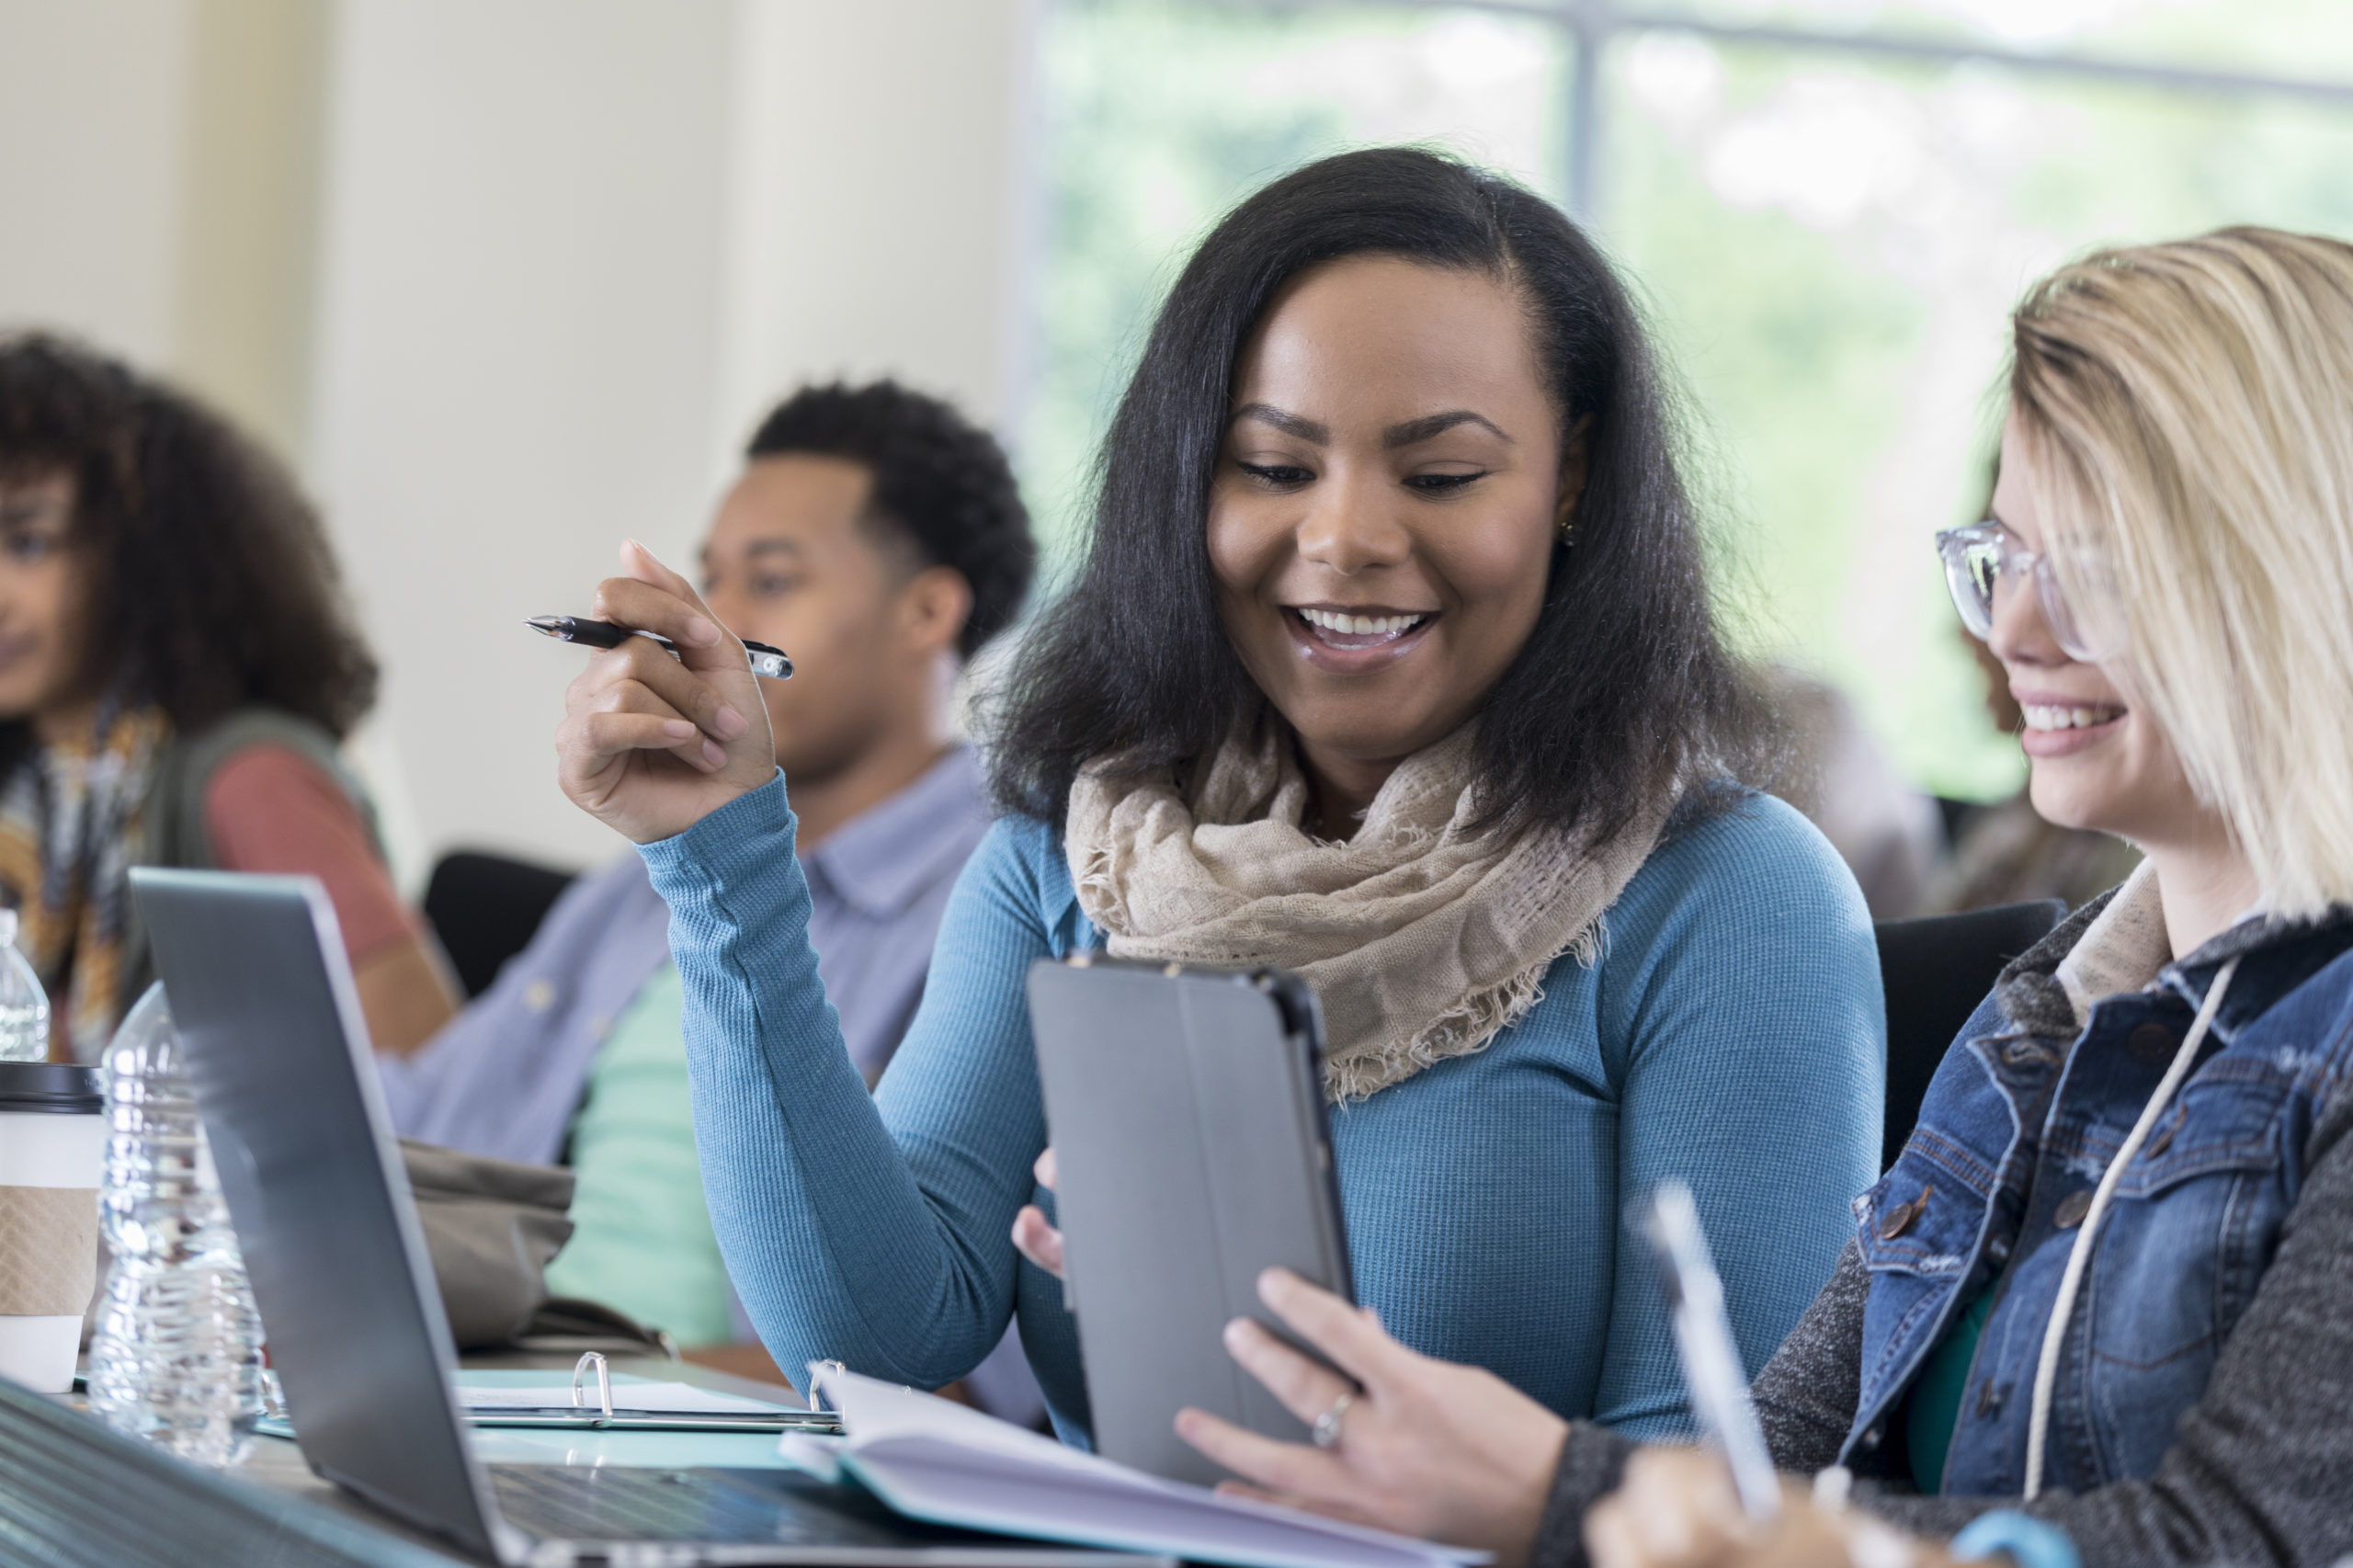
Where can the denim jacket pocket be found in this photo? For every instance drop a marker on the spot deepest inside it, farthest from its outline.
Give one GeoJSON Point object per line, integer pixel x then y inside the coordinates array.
{"type": "Point", "coordinates": [2193, 1224]}
{"type": "Point", "coordinates": [1919, 1220]}
{"type": "Point", "coordinates": [2196, 1217]}
{"type": "Point", "coordinates": [1925, 1214]}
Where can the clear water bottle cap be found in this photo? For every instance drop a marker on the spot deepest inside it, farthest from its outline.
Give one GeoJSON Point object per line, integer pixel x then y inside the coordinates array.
{"type": "Point", "coordinates": [7, 927]}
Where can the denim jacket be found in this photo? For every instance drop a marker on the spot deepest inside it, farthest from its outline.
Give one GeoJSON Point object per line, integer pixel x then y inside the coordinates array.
{"type": "Point", "coordinates": [2036, 1096]}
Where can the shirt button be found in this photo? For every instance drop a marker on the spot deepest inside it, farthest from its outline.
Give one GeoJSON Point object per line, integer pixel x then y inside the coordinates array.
{"type": "Point", "coordinates": [2072, 1210]}
{"type": "Point", "coordinates": [2152, 1045]}
{"type": "Point", "coordinates": [538, 996]}
{"type": "Point", "coordinates": [1898, 1220]}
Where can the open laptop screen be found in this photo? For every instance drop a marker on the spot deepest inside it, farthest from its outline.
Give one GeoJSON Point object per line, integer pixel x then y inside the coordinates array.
{"type": "Point", "coordinates": [277, 1054]}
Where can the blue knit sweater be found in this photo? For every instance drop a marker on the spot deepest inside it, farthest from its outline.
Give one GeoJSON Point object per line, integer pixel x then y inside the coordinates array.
{"type": "Point", "coordinates": [1732, 1034]}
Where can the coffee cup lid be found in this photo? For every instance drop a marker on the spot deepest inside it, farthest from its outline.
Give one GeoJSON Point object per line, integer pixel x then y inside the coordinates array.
{"type": "Point", "coordinates": [51, 1086]}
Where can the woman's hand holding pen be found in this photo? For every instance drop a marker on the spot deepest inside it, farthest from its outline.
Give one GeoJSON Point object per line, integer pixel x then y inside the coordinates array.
{"type": "Point", "coordinates": [1676, 1507]}
{"type": "Point", "coordinates": [650, 743]}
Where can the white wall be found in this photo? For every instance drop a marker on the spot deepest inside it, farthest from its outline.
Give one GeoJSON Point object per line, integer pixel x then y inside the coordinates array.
{"type": "Point", "coordinates": [92, 101]}
{"type": "Point", "coordinates": [514, 366]}
{"type": "Point", "coordinates": [879, 200]}
{"type": "Point", "coordinates": [158, 184]}
{"type": "Point", "coordinates": [570, 250]}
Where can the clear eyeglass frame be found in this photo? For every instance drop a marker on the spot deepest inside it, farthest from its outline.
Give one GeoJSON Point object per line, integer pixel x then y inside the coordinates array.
{"type": "Point", "coordinates": [1980, 555]}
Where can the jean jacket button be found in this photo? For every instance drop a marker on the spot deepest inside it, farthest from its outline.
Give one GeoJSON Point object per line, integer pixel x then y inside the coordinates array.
{"type": "Point", "coordinates": [1900, 1219]}
{"type": "Point", "coordinates": [2152, 1045]}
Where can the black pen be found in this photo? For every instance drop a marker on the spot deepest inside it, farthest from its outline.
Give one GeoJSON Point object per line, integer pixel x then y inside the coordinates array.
{"type": "Point", "coordinates": [766, 661]}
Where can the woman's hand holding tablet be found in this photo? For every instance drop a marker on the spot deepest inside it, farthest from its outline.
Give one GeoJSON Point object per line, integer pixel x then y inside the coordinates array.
{"type": "Point", "coordinates": [1422, 1447]}
{"type": "Point", "coordinates": [1034, 1236]}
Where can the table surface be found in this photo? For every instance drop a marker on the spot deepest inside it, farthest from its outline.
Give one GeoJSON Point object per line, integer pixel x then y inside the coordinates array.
{"type": "Point", "coordinates": [277, 1463]}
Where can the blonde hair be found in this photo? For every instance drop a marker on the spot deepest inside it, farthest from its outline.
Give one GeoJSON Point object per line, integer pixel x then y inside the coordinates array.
{"type": "Point", "coordinates": [2193, 406]}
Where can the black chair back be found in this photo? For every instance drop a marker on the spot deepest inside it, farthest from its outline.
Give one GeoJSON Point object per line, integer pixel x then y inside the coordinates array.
{"type": "Point", "coordinates": [485, 909]}
{"type": "Point", "coordinates": [1936, 970]}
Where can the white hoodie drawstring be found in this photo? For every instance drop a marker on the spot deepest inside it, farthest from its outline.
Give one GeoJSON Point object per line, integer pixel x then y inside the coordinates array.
{"type": "Point", "coordinates": [2055, 1333]}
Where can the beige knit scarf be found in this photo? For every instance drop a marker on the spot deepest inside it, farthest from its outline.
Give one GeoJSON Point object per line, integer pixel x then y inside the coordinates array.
{"type": "Point", "coordinates": [1421, 938]}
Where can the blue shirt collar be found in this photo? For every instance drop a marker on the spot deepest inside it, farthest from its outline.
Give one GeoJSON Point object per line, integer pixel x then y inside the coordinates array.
{"type": "Point", "coordinates": [881, 859]}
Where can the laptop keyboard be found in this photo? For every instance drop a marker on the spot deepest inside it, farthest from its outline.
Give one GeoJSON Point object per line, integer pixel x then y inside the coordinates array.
{"type": "Point", "coordinates": [561, 1501]}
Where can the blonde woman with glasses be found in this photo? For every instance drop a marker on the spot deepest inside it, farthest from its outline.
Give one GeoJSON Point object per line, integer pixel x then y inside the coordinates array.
{"type": "Point", "coordinates": [2100, 1306]}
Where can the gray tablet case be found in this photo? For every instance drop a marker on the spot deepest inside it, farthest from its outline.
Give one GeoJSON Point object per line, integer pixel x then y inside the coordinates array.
{"type": "Point", "coordinates": [1187, 1113]}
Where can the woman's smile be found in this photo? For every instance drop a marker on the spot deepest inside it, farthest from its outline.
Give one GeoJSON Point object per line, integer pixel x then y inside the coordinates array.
{"type": "Point", "coordinates": [2060, 725]}
{"type": "Point", "coordinates": [1356, 639]}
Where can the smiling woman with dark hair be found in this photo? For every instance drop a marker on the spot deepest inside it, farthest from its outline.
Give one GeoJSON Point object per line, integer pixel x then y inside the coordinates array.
{"type": "Point", "coordinates": [1392, 663]}
{"type": "Point", "coordinates": [1601, 686]}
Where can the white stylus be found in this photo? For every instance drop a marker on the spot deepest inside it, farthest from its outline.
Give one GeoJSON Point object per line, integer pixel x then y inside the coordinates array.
{"type": "Point", "coordinates": [1669, 1222]}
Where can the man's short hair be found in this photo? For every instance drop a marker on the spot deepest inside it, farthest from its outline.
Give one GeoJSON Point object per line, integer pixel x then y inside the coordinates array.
{"type": "Point", "coordinates": [941, 484]}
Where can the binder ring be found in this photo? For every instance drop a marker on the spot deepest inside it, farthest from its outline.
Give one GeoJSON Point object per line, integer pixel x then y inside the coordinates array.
{"type": "Point", "coordinates": [592, 1360]}
{"type": "Point", "coordinates": [817, 1400]}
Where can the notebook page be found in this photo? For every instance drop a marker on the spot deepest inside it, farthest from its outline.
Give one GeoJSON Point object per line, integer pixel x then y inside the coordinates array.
{"type": "Point", "coordinates": [933, 1459]}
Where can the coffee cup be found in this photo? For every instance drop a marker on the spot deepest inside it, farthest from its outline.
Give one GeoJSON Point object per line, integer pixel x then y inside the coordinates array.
{"type": "Point", "coordinates": [53, 1151]}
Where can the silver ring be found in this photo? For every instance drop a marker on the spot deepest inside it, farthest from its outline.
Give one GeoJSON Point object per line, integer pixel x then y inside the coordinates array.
{"type": "Point", "coordinates": [1326, 1431]}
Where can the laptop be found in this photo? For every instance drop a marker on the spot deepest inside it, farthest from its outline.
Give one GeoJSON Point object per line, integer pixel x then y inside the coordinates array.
{"type": "Point", "coordinates": [277, 1054]}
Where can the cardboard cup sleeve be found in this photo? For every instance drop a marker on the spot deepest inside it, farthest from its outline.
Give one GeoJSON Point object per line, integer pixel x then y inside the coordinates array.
{"type": "Point", "coordinates": [49, 1250]}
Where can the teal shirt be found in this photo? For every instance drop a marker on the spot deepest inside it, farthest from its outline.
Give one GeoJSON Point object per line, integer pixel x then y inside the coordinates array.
{"type": "Point", "coordinates": [1731, 1035]}
{"type": "Point", "coordinates": [1933, 1408]}
{"type": "Point", "coordinates": [641, 1240]}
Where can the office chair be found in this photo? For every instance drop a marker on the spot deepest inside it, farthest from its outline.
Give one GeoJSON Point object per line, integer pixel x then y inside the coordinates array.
{"type": "Point", "coordinates": [485, 909]}
{"type": "Point", "coordinates": [1935, 970]}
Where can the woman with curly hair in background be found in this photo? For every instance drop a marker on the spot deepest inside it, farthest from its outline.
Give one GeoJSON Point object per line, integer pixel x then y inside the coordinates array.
{"type": "Point", "coordinates": [178, 668]}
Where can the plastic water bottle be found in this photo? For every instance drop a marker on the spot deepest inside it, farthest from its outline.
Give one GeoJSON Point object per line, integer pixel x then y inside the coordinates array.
{"type": "Point", "coordinates": [24, 1005]}
{"type": "Point", "coordinates": [177, 1357]}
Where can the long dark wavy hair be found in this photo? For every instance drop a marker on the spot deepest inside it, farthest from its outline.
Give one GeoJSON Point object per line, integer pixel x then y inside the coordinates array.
{"type": "Point", "coordinates": [1624, 691]}
{"type": "Point", "coordinates": [211, 584]}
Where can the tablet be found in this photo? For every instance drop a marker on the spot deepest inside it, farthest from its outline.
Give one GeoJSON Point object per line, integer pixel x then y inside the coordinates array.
{"type": "Point", "coordinates": [1186, 1109]}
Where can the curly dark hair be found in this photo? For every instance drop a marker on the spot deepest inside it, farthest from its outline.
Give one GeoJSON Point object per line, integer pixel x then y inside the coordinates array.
{"type": "Point", "coordinates": [209, 573]}
{"type": "Point", "coordinates": [1624, 690]}
{"type": "Point", "coordinates": [941, 484]}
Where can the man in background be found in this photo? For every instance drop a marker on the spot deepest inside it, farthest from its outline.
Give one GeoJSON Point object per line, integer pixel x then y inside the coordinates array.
{"type": "Point", "coordinates": [879, 539]}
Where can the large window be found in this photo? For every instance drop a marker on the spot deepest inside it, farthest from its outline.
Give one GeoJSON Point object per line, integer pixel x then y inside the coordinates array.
{"type": "Point", "coordinates": [1827, 204]}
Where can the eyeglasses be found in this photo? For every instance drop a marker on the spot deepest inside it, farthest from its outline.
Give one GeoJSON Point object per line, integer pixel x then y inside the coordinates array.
{"type": "Point", "coordinates": [1979, 558]}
